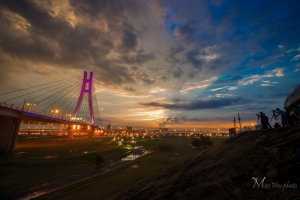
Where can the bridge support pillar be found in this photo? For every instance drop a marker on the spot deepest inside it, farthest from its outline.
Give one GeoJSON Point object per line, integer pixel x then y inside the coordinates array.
{"type": "Point", "coordinates": [9, 127]}
{"type": "Point", "coordinates": [70, 133]}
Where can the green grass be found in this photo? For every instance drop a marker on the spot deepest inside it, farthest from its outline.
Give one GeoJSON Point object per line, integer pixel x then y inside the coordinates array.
{"type": "Point", "coordinates": [50, 159]}
{"type": "Point", "coordinates": [107, 184]}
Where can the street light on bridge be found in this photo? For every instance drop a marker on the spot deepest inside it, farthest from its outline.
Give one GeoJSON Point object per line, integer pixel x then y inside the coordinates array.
{"type": "Point", "coordinates": [69, 116]}
{"type": "Point", "coordinates": [30, 105]}
{"type": "Point", "coordinates": [55, 112]}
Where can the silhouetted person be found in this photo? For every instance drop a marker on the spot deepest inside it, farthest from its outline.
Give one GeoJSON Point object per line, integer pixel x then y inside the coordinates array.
{"type": "Point", "coordinates": [283, 116]}
{"type": "Point", "coordinates": [267, 122]}
{"type": "Point", "coordinates": [262, 120]}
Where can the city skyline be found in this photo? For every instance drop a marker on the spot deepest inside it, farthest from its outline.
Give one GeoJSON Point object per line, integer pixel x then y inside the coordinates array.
{"type": "Point", "coordinates": [158, 63]}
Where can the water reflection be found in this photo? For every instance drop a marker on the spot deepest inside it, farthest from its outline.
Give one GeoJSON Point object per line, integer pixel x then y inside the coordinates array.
{"type": "Point", "coordinates": [138, 151]}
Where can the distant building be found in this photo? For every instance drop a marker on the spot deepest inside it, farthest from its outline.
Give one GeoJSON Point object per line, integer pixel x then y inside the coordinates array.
{"type": "Point", "coordinates": [129, 128]}
{"type": "Point", "coordinates": [163, 129]}
{"type": "Point", "coordinates": [232, 131]}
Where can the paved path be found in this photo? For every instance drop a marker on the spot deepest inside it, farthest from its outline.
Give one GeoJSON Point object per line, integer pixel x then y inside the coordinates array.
{"type": "Point", "coordinates": [55, 185]}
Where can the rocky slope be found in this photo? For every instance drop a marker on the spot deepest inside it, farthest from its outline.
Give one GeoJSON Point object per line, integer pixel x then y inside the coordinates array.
{"type": "Point", "coordinates": [229, 170]}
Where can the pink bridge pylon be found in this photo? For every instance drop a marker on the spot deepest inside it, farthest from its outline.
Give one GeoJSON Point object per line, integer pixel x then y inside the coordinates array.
{"type": "Point", "coordinates": [88, 92]}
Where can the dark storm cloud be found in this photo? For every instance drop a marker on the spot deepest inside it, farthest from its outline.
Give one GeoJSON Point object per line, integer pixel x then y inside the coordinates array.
{"type": "Point", "coordinates": [114, 13]}
{"type": "Point", "coordinates": [39, 18]}
{"type": "Point", "coordinates": [192, 58]}
{"type": "Point", "coordinates": [172, 54]}
{"type": "Point", "coordinates": [106, 8]}
{"type": "Point", "coordinates": [52, 40]}
{"type": "Point", "coordinates": [196, 105]}
{"type": "Point", "coordinates": [182, 120]}
{"type": "Point", "coordinates": [130, 89]}
{"type": "Point", "coordinates": [138, 58]}
{"type": "Point", "coordinates": [116, 74]}
{"type": "Point", "coordinates": [177, 73]}
{"type": "Point", "coordinates": [173, 120]}
{"type": "Point", "coordinates": [186, 32]}
{"type": "Point", "coordinates": [134, 68]}
{"type": "Point", "coordinates": [148, 81]}
{"type": "Point", "coordinates": [192, 74]}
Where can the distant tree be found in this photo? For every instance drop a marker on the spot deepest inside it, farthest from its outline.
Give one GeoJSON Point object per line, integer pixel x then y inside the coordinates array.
{"type": "Point", "coordinates": [196, 142]}
{"type": "Point", "coordinates": [205, 140]}
{"type": "Point", "coordinates": [165, 147]}
{"type": "Point", "coordinates": [99, 160]}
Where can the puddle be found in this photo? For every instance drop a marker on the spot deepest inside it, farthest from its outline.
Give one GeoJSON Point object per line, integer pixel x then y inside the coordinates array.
{"type": "Point", "coordinates": [137, 154]}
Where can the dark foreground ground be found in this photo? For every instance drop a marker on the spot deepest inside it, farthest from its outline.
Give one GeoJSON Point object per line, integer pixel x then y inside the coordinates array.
{"type": "Point", "coordinates": [229, 171]}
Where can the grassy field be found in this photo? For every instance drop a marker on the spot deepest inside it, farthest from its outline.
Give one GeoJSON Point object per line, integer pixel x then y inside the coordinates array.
{"type": "Point", "coordinates": [37, 161]}
{"type": "Point", "coordinates": [41, 160]}
{"type": "Point", "coordinates": [105, 185]}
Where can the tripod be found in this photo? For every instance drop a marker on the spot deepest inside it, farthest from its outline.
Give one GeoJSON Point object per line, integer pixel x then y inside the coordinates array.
{"type": "Point", "coordinates": [275, 118]}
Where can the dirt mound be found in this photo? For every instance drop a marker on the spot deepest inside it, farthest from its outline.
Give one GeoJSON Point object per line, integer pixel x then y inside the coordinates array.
{"type": "Point", "coordinates": [252, 165]}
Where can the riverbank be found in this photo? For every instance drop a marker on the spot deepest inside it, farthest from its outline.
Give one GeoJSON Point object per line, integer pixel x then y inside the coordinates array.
{"type": "Point", "coordinates": [231, 171]}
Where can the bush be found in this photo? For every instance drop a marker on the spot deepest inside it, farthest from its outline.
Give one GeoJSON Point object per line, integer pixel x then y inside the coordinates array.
{"type": "Point", "coordinates": [196, 142]}
{"type": "Point", "coordinates": [204, 140]}
{"type": "Point", "coordinates": [99, 160]}
{"type": "Point", "coordinates": [165, 147]}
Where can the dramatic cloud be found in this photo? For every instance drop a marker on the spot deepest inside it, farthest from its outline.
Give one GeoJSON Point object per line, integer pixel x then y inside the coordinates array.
{"type": "Point", "coordinates": [195, 105]}
{"type": "Point", "coordinates": [229, 52]}
{"type": "Point", "coordinates": [186, 32]}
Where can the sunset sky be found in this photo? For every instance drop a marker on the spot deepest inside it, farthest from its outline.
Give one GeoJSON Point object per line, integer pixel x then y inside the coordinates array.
{"type": "Point", "coordinates": [192, 64]}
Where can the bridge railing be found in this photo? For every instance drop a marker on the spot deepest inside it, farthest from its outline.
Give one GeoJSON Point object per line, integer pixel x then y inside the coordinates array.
{"type": "Point", "coordinates": [43, 116]}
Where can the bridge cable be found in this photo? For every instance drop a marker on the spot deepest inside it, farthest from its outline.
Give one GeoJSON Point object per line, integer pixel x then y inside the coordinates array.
{"type": "Point", "coordinates": [70, 99]}
{"type": "Point", "coordinates": [41, 95]}
{"type": "Point", "coordinates": [53, 96]}
{"type": "Point", "coordinates": [97, 107]}
{"type": "Point", "coordinates": [32, 92]}
{"type": "Point", "coordinates": [41, 85]}
{"type": "Point", "coordinates": [69, 96]}
{"type": "Point", "coordinates": [61, 96]}
{"type": "Point", "coordinates": [72, 103]}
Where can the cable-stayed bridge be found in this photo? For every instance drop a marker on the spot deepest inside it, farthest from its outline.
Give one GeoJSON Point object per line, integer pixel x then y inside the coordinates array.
{"type": "Point", "coordinates": [70, 102]}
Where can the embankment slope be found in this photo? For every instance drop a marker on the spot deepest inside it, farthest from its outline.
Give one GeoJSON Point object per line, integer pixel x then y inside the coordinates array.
{"type": "Point", "coordinates": [228, 171]}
